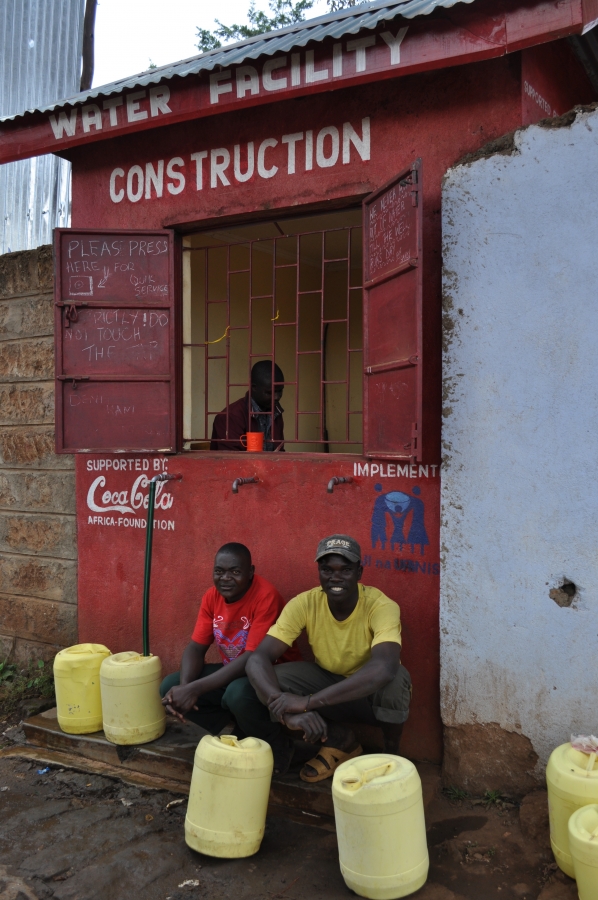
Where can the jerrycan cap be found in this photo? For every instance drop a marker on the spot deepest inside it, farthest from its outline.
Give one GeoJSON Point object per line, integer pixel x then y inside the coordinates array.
{"type": "Point", "coordinates": [584, 765]}
{"type": "Point", "coordinates": [128, 657]}
{"type": "Point", "coordinates": [248, 743]}
{"type": "Point", "coordinates": [79, 658]}
{"type": "Point", "coordinates": [372, 769]}
{"type": "Point", "coordinates": [584, 824]}
{"type": "Point", "coordinates": [233, 758]}
{"type": "Point", "coordinates": [130, 667]}
{"type": "Point", "coordinates": [87, 649]}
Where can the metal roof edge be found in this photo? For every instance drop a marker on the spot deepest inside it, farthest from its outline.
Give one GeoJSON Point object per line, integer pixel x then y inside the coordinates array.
{"type": "Point", "coordinates": [585, 47]}
{"type": "Point", "coordinates": [306, 24]}
{"type": "Point", "coordinates": [363, 16]}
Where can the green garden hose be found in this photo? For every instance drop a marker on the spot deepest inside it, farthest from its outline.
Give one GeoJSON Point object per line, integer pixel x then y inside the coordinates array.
{"type": "Point", "coordinates": [148, 554]}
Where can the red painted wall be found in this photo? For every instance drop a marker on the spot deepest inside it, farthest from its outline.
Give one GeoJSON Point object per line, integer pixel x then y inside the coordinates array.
{"type": "Point", "coordinates": [439, 116]}
{"type": "Point", "coordinates": [454, 36]}
{"type": "Point", "coordinates": [282, 520]}
{"type": "Point", "coordinates": [553, 81]}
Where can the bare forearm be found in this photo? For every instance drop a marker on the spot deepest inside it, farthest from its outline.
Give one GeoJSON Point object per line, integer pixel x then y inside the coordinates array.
{"type": "Point", "coordinates": [222, 677]}
{"type": "Point", "coordinates": [192, 663]}
{"type": "Point", "coordinates": [260, 672]}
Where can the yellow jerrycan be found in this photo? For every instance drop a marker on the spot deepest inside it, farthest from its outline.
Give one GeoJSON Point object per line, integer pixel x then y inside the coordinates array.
{"type": "Point", "coordinates": [77, 686]}
{"type": "Point", "coordinates": [583, 844]}
{"type": "Point", "coordinates": [572, 781]}
{"type": "Point", "coordinates": [380, 826]}
{"type": "Point", "coordinates": [133, 711]}
{"type": "Point", "coordinates": [226, 814]}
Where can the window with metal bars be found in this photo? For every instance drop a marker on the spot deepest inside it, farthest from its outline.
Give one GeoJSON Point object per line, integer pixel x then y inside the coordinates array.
{"type": "Point", "coordinates": [288, 291]}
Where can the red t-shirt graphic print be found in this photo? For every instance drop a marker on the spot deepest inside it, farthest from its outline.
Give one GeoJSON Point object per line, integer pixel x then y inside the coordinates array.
{"type": "Point", "coordinates": [237, 627]}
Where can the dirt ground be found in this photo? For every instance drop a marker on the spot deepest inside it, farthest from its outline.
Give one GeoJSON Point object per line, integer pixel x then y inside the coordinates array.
{"type": "Point", "coordinates": [74, 836]}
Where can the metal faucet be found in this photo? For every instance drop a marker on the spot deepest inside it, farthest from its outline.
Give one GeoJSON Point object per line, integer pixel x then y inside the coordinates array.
{"type": "Point", "coordinates": [338, 480]}
{"type": "Point", "coordinates": [239, 481]}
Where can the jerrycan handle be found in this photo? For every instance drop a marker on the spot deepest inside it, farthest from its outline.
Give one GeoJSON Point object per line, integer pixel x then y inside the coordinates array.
{"type": "Point", "coordinates": [353, 784]}
{"type": "Point", "coordinates": [590, 765]}
{"type": "Point", "coordinates": [230, 740]}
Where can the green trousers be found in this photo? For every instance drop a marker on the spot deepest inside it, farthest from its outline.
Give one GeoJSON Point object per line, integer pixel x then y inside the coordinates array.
{"type": "Point", "coordinates": [389, 704]}
{"type": "Point", "coordinates": [237, 699]}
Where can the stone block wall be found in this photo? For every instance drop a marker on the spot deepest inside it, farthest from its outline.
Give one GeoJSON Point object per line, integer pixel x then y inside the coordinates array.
{"type": "Point", "coordinates": [38, 542]}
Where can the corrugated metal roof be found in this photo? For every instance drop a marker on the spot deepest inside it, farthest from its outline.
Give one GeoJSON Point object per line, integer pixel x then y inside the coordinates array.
{"type": "Point", "coordinates": [40, 59]}
{"type": "Point", "coordinates": [366, 16]}
{"type": "Point", "coordinates": [40, 52]}
{"type": "Point", "coordinates": [35, 198]}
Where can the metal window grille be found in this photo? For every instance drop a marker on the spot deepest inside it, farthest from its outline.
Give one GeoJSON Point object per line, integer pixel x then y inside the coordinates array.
{"type": "Point", "coordinates": [295, 300]}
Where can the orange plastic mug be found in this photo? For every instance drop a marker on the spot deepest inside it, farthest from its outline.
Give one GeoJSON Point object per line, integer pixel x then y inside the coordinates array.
{"type": "Point", "coordinates": [253, 441]}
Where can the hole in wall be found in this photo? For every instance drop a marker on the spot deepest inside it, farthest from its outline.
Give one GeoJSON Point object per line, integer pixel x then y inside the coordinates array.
{"type": "Point", "coordinates": [564, 594]}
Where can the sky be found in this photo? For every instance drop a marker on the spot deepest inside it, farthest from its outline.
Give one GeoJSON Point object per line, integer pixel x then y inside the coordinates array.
{"type": "Point", "coordinates": [131, 33]}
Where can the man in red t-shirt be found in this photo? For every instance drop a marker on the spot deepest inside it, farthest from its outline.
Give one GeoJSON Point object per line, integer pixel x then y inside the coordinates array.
{"type": "Point", "coordinates": [235, 614]}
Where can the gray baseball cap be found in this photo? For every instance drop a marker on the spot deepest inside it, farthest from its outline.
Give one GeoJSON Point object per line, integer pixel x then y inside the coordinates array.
{"type": "Point", "coordinates": [342, 545]}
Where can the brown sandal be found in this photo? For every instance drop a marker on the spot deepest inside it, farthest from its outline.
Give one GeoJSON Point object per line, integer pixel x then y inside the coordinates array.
{"type": "Point", "coordinates": [326, 761]}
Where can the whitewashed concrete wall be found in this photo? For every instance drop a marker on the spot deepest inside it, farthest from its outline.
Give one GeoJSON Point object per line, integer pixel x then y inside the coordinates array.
{"type": "Point", "coordinates": [520, 436]}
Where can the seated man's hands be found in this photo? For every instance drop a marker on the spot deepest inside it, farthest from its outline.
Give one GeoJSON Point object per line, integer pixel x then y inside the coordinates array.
{"type": "Point", "coordinates": [281, 705]}
{"type": "Point", "coordinates": [312, 724]}
{"type": "Point", "coordinates": [179, 700]}
{"type": "Point", "coordinates": [289, 709]}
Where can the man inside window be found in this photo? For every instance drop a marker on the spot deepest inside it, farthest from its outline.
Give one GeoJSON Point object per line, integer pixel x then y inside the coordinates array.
{"type": "Point", "coordinates": [355, 634]}
{"type": "Point", "coordinates": [264, 395]}
{"type": "Point", "coordinates": [235, 614]}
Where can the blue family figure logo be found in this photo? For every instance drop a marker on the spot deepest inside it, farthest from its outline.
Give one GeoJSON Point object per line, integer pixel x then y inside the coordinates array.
{"type": "Point", "coordinates": [394, 509]}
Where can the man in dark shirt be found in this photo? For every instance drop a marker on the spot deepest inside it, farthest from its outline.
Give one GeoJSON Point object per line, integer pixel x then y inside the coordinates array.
{"type": "Point", "coordinates": [264, 396]}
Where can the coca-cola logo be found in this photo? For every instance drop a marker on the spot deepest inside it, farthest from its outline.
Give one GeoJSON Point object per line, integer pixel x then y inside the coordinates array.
{"type": "Point", "coordinates": [101, 501]}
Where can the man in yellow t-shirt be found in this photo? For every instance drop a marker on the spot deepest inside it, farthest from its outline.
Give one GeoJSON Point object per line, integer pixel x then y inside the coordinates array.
{"type": "Point", "coordinates": [354, 632]}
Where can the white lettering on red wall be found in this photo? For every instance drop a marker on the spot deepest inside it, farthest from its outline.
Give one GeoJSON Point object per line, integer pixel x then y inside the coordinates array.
{"type": "Point", "coordinates": [223, 167]}
{"type": "Point", "coordinates": [115, 111]}
{"type": "Point", "coordinates": [105, 498]}
{"type": "Point", "coordinates": [296, 69]}
{"type": "Point", "coordinates": [539, 99]}
{"type": "Point", "coordinates": [237, 85]}
{"type": "Point", "coordinates": [395, 470]}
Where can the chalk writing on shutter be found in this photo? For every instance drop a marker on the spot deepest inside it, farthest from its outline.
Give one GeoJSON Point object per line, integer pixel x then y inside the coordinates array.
{"type": "Point", "coordinates": [391, 231]}
{"type": "Point", "coordinates": [114, 328]}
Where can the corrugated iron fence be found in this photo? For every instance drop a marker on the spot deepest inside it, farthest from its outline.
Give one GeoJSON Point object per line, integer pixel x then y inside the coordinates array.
{"type": "Point", "coordinates": [40, 61]}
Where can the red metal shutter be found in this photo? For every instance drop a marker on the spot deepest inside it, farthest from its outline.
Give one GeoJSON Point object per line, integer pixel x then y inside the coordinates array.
{"type": "Point", "coordinates": [392, 234]}
{"type": "Point", "coordinates": [115, 341]}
